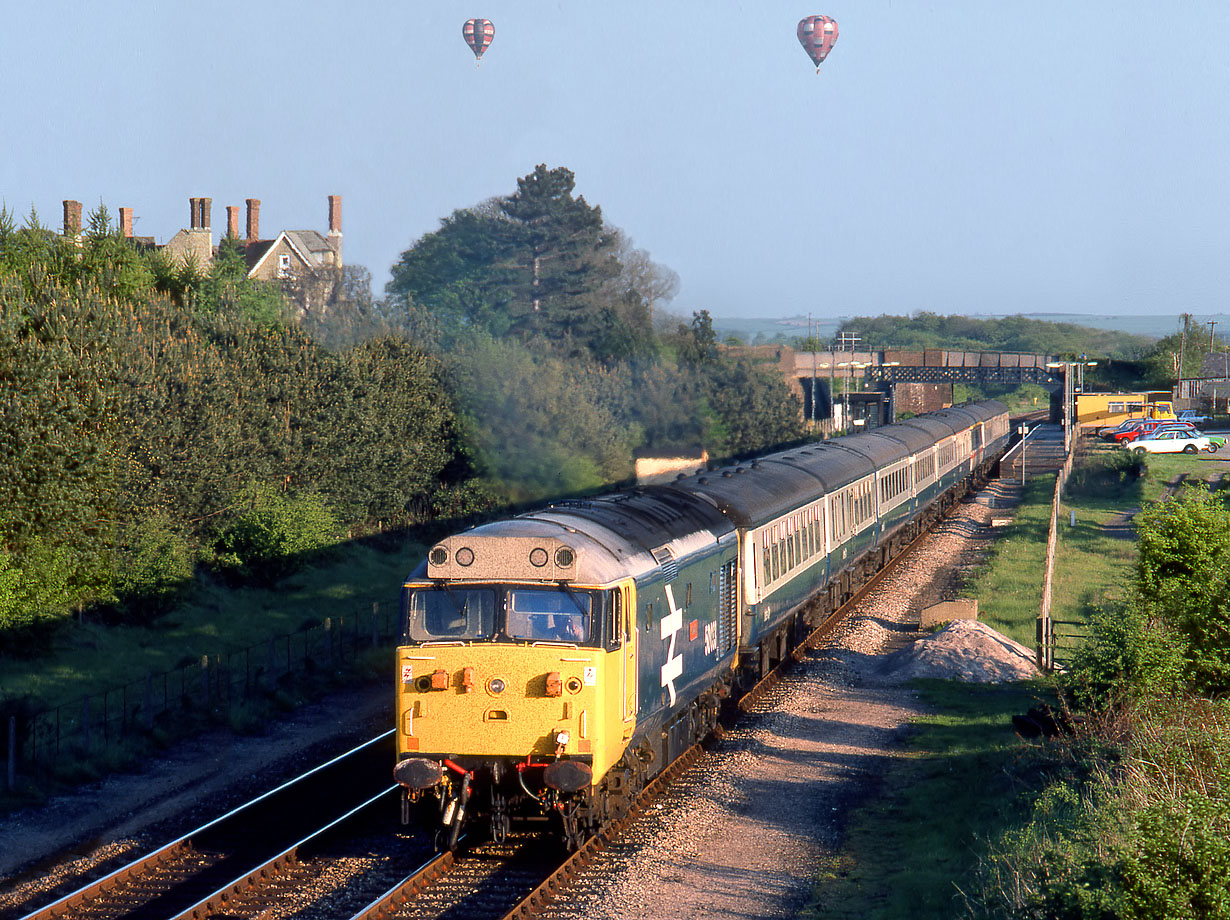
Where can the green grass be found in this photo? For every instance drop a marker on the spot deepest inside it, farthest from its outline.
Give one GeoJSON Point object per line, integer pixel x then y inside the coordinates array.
{"type": "Point", "coordinates": [89, 657]}
{"type": "Point", "coordinates": [915, 843]}
{"type": "Point", "coordinates": [1008, 585]}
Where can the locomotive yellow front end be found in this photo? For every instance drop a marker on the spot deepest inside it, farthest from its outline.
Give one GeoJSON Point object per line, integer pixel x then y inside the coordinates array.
{"type": "Point", "coordinates": [516, 684]}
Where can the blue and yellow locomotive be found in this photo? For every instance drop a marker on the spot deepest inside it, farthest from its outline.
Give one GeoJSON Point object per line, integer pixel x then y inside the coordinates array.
{"type": "Point", "coordinates": [553, 663]}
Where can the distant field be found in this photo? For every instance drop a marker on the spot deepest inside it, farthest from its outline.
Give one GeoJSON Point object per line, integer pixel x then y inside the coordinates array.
{"type": "Point", "coordinates": [747, 328]}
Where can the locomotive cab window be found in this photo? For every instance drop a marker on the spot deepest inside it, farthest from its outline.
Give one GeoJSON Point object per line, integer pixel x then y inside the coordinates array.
{"type": "Point", "coordinates": [548, 615]}
{"type": "Point", "coordinates": [444, 614]}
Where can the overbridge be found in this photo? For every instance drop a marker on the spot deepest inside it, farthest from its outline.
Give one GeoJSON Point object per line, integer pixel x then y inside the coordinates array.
{"type": "Point", "coordinates": [893, 365]}
{"type": "Point", "coordinates": [848, 390]}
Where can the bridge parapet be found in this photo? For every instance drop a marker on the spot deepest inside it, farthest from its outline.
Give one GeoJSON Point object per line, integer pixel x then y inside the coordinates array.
{"type": "Point", "coordinates": [928, 365]}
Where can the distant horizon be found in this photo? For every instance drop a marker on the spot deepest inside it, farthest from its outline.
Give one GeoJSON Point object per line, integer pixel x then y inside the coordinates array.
{"type": "Point", "coordinates": [1152, 325]}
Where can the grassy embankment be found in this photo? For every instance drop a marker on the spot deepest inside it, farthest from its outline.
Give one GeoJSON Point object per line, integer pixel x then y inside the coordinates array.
{"type": "Point", "coordinates": [87, 657]}
{"type": "Point", "coordinates": [964, 776]}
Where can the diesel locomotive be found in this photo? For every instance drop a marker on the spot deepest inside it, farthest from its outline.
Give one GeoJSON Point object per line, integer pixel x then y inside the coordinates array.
{"type": "Point", "coordinates": [553, 663]}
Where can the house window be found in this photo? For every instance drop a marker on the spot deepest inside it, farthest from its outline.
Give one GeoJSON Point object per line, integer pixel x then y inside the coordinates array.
{"type": "Point", "coordinates": [283, 266]}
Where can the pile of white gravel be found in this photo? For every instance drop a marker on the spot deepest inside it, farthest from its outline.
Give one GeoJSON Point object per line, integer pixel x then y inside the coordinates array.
{"type": "Point", "coordinates": [963, 650]}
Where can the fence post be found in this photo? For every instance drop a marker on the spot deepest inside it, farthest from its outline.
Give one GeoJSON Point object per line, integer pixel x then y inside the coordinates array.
{"type": "Point", "coordinates": [329, 641]}
{"type": "Point", "coordinates": [270, 681]}
{"type": "Point", "coordinates": [149, 702]}
{"type": "Point", "coordinates": [375, 624]}
{"type": "Point", "coordinates": [205, 679]}
{"type": "Point", "coordinates": [12, 773]}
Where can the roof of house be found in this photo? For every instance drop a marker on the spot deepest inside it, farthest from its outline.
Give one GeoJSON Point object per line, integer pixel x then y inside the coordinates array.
{"type": "Point", "coordinates": [1215, 365]}
{"type": "Point", "coordinates": [255, 251]}
{"type": "Point", "coordinates": [308, 245]}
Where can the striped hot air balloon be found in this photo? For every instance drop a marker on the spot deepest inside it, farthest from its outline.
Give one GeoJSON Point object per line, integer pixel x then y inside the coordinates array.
{"type": "Point", "coordinates": [478, 34]}
{"type": "Point", "coordinates": [817, 35]}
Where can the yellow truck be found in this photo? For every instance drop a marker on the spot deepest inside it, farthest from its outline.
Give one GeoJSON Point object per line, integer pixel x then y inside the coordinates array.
{"type": "Point", "coordinates": [1108, 409]}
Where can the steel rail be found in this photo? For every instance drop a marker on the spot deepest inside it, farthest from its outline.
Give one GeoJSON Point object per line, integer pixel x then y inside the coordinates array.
{"type": "Point", "coordinates": [558, 880]}
{"type": "Point", "coordinates": [151, 861]}
{"type": "Point", "coordinates": [408, 888]}
{"type": "Point", "coordinates": [215, 904]}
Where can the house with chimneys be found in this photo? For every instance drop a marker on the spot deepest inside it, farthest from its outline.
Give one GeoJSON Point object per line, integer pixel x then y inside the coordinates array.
{"type": "Point", "coordinates": [292, 254]}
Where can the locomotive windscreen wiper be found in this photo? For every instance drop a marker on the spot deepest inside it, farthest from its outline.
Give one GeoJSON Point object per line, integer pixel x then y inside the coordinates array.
{"type": "Point", "coordinates": [461, 609]}
{"type": "Point", "coordinates": [576, 600]}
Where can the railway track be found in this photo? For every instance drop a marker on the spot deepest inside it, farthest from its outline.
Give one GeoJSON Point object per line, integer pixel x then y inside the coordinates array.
{"type": "Point", "coordinates": [236, 857]}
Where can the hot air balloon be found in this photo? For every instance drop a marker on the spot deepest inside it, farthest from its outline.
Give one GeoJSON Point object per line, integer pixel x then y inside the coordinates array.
{"type": "Point", "coordinates": [817, 35]}
{"type": "Point", "coordinates": [478, 34]}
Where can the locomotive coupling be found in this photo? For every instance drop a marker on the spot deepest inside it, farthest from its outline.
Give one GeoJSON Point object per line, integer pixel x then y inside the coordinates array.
{"type": "Point", "coordinates": [568, 775]}
{"type": "Point", "coordinates": [418, 773]}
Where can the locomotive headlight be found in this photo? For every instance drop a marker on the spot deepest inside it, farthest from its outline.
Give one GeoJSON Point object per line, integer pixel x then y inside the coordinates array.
{"type": "Point", "coordinates": [562, 739]}
{"type": "Point", "coordinates": [495, 685]}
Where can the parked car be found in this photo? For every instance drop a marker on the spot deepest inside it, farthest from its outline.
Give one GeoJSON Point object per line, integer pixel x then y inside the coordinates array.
{"type": "Point", "coordinates": [1174, 441]}
{"type": "Point", "coordinates": [1149, 428]}
{"type": "Point", "coordinates": [1191, 415]}
{"type": "Point", "coordinates": [1126, 425]}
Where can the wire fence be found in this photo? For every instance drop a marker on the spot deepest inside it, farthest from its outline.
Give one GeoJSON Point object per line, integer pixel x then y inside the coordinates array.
{"type": "Point", "coordinates": [97, 724]}
{"type": "Point", "coordinates": [1047, 635]}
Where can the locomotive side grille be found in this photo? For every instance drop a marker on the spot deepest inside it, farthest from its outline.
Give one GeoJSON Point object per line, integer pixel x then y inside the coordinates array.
{"type": "Point", "coordinates": [666, 559]}
{"type": "Point", "coordinates": [727, 608]}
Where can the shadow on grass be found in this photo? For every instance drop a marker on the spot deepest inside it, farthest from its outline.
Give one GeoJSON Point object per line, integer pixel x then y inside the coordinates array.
{"type": "Point", "coordinates": [912, 846]}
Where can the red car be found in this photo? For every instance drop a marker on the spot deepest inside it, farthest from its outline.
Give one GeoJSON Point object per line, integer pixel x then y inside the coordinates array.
{"type": "Point", "coordinates": [1150, 427]}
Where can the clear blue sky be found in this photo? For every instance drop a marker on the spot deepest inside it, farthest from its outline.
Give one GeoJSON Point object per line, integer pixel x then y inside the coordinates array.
{"type": "Point", "coordinates": [960, 156]}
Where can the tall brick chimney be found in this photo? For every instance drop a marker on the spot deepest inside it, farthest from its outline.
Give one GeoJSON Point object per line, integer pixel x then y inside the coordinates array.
{"type": "Point", "coordinates": [126, 223]}
{"type": "Point", "coordinates": [194, 213]}
{"type": "Point", "coordinates": [254, 219]}
{"type": "Point", "coordinates": [232, 221]}
{"type": "Point", "coordinates": [335, 228]}
{"type": "Point", "coordinates": [72, 218]}
{"type": "Point", "coordinates": [204, 207]}
{"type": "Point", "coordinates": [335, 215]}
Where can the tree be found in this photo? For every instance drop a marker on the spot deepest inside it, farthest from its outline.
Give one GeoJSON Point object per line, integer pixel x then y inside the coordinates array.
{"type": "Point", "coordinates": [697, 343]}
{"type": "Point", "coordinates": [1179, 355]}
{"type": "Point", "coordinates": [539, 264]}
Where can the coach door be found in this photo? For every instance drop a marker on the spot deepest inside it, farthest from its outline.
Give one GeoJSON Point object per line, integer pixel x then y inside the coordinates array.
{"type": "Point", "coordinates": [627, 621]}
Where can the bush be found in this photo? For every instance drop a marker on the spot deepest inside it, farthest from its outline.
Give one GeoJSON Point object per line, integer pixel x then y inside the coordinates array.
{"type": "Point", "coordinates": [1183, 575]}
{"type": "Point", "coordinates": [1128, 653]}
{"type": "Point", "coordinates": [1180, 865]}
{"type": "Point", "coordinates": [155, 564]}
{"type": "Point", "coordinates": [275, 534]}
{"type": "Point", "coordinates": [41, 585]}
{"type": "Point", "coordinates": [1106, 472]}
